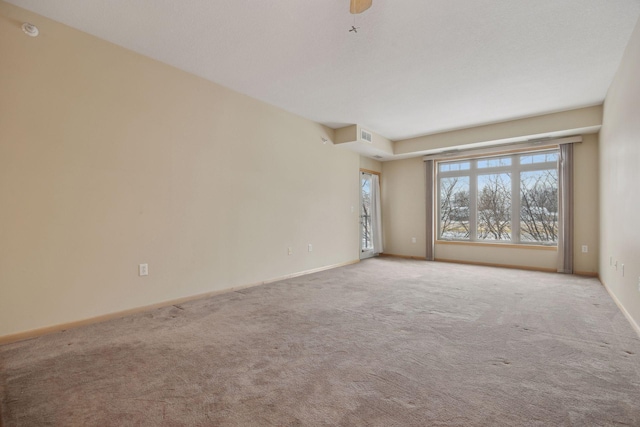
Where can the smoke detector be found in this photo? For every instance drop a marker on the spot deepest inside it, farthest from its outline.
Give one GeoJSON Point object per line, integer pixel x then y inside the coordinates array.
{"type": "Point", "coordinates": [30, 29]}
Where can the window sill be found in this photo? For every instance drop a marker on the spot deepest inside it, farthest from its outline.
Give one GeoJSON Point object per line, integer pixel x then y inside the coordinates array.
{"type": "Point", "coordinates": [498, 245]}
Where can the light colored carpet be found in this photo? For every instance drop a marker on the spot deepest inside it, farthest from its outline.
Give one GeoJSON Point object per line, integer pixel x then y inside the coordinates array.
{"type": "Point", "coordinates": [385, 342]}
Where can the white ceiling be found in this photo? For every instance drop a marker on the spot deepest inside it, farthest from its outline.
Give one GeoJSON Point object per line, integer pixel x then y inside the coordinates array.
{"type": "Point", "coordinates": [415, 67]}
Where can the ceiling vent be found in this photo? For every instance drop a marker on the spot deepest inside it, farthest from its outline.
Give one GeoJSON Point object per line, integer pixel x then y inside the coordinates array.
{"type": "Point", "coordinates": [366, 136]}
{"type": "Point", "coordinates": [377, 157]}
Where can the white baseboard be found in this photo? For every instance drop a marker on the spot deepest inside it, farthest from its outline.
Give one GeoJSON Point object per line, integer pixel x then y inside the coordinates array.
{"type": "Point", "coordinates": [624, 311]}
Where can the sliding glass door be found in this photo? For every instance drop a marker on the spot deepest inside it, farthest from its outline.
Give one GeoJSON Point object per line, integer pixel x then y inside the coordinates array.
{"type": "Point", "coordinates": [366, 223]}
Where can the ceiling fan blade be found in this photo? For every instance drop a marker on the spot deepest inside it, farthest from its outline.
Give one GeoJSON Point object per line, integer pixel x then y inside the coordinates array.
{"type": "Point", "coordinates": [359, 6]}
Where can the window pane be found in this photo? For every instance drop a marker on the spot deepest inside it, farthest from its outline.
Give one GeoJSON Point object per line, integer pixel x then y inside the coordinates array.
{"type": "Point", "coordinates": [529, 159]}
{"type": "Point", "coordinates": [494, 207]}
{"type": "Point", "coordinates": [454, 208]}
{"type": "Point", "coordinates": [454, 166]}
{"type": "Point", "coordinates": [539, 206]}
{"type": "Point", "coordinates": [494, 163]}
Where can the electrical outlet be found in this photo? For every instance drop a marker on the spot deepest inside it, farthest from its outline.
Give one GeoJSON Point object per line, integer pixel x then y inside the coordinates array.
{"type": "Point", "coordinates": [585, 249]}
{"type": "Point", "coordinates": [310, 247]}
{"type": "Point", "coordinates": [413, 240]}
{"type": "Point", "coordinates": [290, 251]}
{"type": "Point", "coordinates": [143, 269]}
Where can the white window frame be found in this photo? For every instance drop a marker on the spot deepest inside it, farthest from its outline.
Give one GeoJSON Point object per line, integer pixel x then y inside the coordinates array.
{"type": "Point", "coordinates": [473, 172]}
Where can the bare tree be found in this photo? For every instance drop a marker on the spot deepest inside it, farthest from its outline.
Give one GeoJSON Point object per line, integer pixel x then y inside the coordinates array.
{"type": "Point", "coordinates": [454, 207]}
{"type": "Point", "coordinates": [539, 206]}
{"type": "Point", "coordinates": [494, 207]}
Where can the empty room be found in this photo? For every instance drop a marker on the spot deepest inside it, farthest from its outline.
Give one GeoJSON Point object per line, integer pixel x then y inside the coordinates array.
{"type": "Point", "coordinates": [309, 213]}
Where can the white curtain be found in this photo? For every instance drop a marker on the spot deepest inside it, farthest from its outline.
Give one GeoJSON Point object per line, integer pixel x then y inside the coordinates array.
{"type": "Point", "coordinates": [376, 214]}
{"type": "Point", "coordinates": [565, 209]}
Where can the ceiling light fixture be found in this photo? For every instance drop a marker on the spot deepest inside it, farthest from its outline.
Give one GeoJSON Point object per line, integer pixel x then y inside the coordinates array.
{"type": "Point", "coordinates": [30, 29]}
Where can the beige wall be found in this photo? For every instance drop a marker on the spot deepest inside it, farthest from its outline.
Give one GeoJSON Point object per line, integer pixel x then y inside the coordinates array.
{"type": "Point", "coordinates": [572, 122]}
{"type": "Point", "coordinates": [496, 255]}
{"type": "Point", "coordinates": [620, 182]}
{"type": "Point", "coordinates": [403, 207]}
{"type": "Point", "coordinates": [403, 189]}
{"type": "Point", "coordinates": [109, 159]}
{"type": "Point", "coordinates": [370, 164]}
{"type": "Point", "coordinates": [586, 205]}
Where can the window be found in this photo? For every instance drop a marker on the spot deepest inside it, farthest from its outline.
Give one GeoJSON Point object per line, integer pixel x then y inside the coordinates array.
{"type": "Point", "coordinates": [507, 199]}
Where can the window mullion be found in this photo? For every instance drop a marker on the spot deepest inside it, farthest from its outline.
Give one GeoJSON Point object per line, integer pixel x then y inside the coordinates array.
{"type": "Point", "coordinates": [473, 201]}
{"type": "Point", "coordinates": [515, 201]}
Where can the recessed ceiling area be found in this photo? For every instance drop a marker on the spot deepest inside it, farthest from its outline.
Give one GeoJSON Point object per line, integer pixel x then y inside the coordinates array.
{"type": "Point", "coordinates": [415, 67]}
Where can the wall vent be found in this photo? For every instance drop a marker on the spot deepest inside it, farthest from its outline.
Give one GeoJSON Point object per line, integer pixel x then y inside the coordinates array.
{"type": "Point", "coordinates": [366, 136]}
